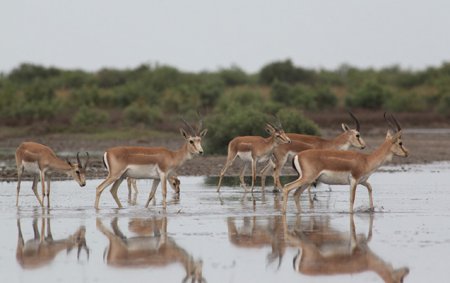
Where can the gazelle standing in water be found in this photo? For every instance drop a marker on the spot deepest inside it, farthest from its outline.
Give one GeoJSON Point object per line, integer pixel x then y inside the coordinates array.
{"type": "Point", "coordinates": [337, 167]}
{"type": "Point", "coordinates": [157, 163]}
{"type": "Point", "coordinates": [41, 161]}
{"type": "Point", "coordinates": [299, 142]}
{"type": "Point", "coordinates": [253, 149]}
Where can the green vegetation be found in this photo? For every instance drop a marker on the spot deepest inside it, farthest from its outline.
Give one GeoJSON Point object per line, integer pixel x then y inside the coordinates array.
{"type": "Point", "coordinates": [49, 99]}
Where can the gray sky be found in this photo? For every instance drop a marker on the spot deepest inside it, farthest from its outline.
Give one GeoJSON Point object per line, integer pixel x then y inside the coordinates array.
{"type": "Point", "coordinates": [196, 35]}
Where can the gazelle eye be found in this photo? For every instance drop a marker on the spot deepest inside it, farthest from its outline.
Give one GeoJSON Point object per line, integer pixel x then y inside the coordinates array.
{"type": "Point", "coordinates": [358, 136]}
{"type": "Point", "coordinates": [191, 141]}
{"type": "Point", "coordinates": [400, 143]}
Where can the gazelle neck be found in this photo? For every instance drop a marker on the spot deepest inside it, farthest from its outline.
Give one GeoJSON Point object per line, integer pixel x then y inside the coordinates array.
{"type": "Point", "coordinates": [182, 154]}
{"type": "Point", "coordinates": [340, 142]}
{"type": "Point", "coordinates": [381, 155]}
{"type": "Point", "coordinates": [57, 164]}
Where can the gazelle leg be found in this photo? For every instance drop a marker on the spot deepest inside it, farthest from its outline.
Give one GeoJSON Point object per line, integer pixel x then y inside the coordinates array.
{"type": "Point", "coordinates": [230, 159]}
{"type": "Point", "coordinates": [43, 187]}
{"type": "Point", "coordinates": [152, 191]}
{"type": "Point", "coordinates": [353, 185]}
{"type": "Point", "coordinates": [34, 188]}
{"type": "Point", "coordinates": [277, 172]}
{"type": "Point", "coordinates": [48, 191]}
{"type": "Point", "coordinates": [164, 188]}
{"type": "Point", "coordinates": [19, 179]}
{"type": "Point", "coordinates": [289, 187]}
{"type": "Point", "coordinates": [114, 189]}
{"type": "Point", "coordinates": [241, 175]}
{"type": "Point", "coordinates": [264, 171]}
{"type": "Point", "coordinates": [311, 200]}
{"type": "Point", "coordinates": [129, 184]}
{"type": "Point", "coordinates": [297, 195]}
{"type": "Point", "coordinates": [369, 190]}
{"type": "Point", "coordinates": [254, 161]}
{"type": "Point", "coordinates": [109, 180]}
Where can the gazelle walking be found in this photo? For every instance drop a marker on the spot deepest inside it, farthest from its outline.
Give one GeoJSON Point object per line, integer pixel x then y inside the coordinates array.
{"type": "Point", "coordinates": [336, 167]}
{"type": "Point", "coordinates": [253, 149]}
{"type": "Point", "coordinates": [157, 163]}
{"type": "Point", "coordinates": [349, 138]}
{"type": "Point", "coordinates": [41, 160]}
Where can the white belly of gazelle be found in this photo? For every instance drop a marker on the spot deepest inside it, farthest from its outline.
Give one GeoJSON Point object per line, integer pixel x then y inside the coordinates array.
{"type": "Point", "coordinates": [143, 171]}
{"type": "Point", "coordinates": [334, 177]}
{"type": "Point", "coordinates": [31, 167]}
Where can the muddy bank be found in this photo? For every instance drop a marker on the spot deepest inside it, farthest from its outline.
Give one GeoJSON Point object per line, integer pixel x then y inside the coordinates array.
{"type": "Point", "coordinates": [425, 146]}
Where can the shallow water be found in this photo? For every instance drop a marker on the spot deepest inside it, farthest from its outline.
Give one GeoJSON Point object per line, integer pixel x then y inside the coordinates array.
{"type": "Point", "coordinates": [232, 236]}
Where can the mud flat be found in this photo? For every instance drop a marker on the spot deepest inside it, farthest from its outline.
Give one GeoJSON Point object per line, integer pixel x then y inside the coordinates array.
{"type": "Point", "coordinates": [232, 236]}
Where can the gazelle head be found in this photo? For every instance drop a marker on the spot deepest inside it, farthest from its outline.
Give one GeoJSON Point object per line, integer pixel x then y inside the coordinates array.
{"type": "Point", "coordinates": [395, 136]}
{"type": "Point", "coordinates": [277, 132]}
{"type": "Point", "coordinates": [353, 136]}
{"type": "Point", "coordinates": [193, 137]}
{"type": "Point", "coordinates": [175, 182]}
{"type": "Point", "coordinates": [78, 171]}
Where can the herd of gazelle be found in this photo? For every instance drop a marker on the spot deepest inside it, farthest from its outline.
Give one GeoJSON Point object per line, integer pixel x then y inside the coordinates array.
{"type": "Point", "coordinates": [315, 159]}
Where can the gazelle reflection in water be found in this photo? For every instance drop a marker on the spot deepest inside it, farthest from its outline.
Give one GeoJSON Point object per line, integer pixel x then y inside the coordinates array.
{"type": "Point", "coordinates": [258, 233]}
{"type": "Point", "coordinates": [42, 249]}
{"type": "Point", "coordinates": [326, 251]}
{"type": "Point", "coordinates": [151, 248]}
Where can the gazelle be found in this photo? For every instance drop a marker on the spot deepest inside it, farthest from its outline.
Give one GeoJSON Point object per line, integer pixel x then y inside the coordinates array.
{"type": "Point", "coordinates": [157, 163]}
{"type": "Point", "coordinates": [41, 160]}
{"type": "Point", "coordinates": [42, 249]}
{"type": "Point", "coordinates": [326, 251]}
{"type": "Point", "coordinates": [349, 138]}
{"type": "Point", "coordinates": [151, 248]}
{"type": "Point", "coordinates": [343, 167]}
{"type": "Point", "coordinates": [253, 149]}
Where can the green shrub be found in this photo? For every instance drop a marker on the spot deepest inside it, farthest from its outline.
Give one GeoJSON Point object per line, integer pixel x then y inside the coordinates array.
{"type": "Point", "coordinates": [88, 118]}
{"type": "Point", "coordinates": [444, 104]}
{"type": "Point", "coordinates": [370, 96]}
{"type": "Point", "coordinates": [293, 121]}
{"type": "Point", "coordinates": [403, 102]}
{"type": "Point", "coordinates": [325, 98]}
{"type": "Point", "coordinates": [139, 112]}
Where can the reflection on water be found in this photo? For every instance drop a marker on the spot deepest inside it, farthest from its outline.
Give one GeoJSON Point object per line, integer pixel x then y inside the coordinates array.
{"type": "Point", "coordinates": [324, 250]}
{"type": "Point", "coordinates": [152, 247]}
{"type": "Point", "coordinates": [42, 249]}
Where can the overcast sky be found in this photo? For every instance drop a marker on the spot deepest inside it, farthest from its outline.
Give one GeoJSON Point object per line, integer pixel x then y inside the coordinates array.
{"type": "Point", "coordinates": [195, 35]}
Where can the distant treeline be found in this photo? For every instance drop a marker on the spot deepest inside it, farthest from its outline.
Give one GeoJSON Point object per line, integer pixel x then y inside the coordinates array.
{"type": "Point", "coordinates": [230, 99]}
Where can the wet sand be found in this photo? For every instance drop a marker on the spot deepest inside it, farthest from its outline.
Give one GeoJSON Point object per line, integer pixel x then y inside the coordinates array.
{"type": "Point", "coordinates": [232, 236]}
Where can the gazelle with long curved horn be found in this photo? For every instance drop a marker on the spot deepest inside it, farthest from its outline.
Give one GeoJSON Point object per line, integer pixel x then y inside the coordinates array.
{"type": "Point", "coordinates": [336, 167]}
{"type": "Point", "coordinates": [349, 138]}
{"type": "Point", "coordinates": [253, 149]}
{"type": "Point", "coordinates": [41, 161]}
{"type": "Point", "coordinates": [157, 163]}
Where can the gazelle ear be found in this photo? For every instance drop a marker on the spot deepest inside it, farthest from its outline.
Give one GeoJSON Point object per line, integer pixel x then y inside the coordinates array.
{"type": "Point", "coordinates": [396, 136]}
{"type": "Point", "coordinates": [270, 129]}
{"type": "Point", "coordinates": [183, 133]}
{"type": "Point", "coordinates": [345, 127]}
{"type": "Point", "coordinates": [389, 134]}
{"type": "Point", "coordinates": [203, 133]}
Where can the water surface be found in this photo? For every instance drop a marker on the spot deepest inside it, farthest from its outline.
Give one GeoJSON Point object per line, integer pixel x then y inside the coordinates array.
{"type": "Point", "coordinates": [232, 236]}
